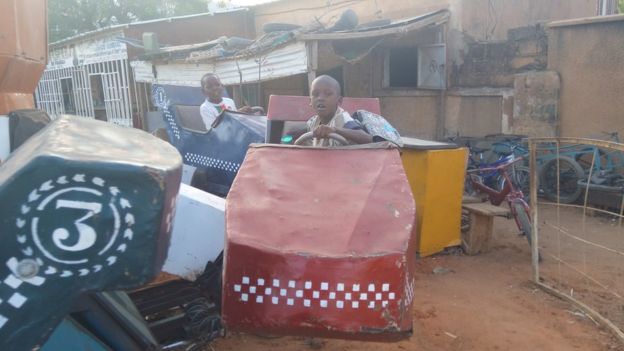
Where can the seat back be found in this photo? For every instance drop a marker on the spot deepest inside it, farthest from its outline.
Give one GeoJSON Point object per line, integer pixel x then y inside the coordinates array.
{"type": "Point", "coordinates": [297, 108]}
{"type": "Point", "coordinates": [285, 108]}
{"type": "Point", "coordinates": [190, 117]}
{"type": "Point", "coordinates": [169, 99]}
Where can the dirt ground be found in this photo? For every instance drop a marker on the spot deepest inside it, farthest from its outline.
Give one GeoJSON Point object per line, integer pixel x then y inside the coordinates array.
{"type": "Point", "coordinates": [584, 257]}
{"type": "Point", "coordinates": [484, 302]}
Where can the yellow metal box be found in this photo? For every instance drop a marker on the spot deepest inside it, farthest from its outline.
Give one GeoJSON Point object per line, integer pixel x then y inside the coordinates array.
{"type": "Point", "coordinates": [436, 175]}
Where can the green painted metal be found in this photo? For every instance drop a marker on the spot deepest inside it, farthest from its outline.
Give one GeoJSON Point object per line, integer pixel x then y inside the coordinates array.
{"type": "Point", "coordinates": [84, 206]}
{"type": "Point", "coordinates": [69, 335]}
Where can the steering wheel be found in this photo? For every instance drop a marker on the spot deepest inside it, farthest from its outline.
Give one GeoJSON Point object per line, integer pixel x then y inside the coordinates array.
{"type": "Point", "coordinates": [309, 136]}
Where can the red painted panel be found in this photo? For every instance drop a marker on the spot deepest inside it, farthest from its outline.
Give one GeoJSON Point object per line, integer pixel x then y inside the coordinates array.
{"type": "Point", "coordinates": [297, 108]}
{"type": "Point", "coordinates": [320, 242]}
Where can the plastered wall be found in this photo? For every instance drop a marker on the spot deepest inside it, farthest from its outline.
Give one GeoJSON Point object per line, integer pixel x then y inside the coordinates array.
{"type": "Point", "coordinates": [589, 58]}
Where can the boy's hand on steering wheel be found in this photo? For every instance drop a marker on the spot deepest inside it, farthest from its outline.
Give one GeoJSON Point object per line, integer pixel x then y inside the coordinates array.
{"type": "Point", "coordinates": [323, 131]}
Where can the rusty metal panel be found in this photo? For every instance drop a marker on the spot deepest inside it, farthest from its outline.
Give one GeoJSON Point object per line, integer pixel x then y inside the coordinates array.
{"type": "Point", "coordinates": [24, 29]}
{"type": "Point", "coordinates": [320, 242]}
{"type": "Point", "coordinates": [23, 51]}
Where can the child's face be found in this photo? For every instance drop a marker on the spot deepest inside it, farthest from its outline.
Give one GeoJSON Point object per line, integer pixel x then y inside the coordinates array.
{"type": "Point", "coordinates": [212, 88]}
{"type": "Point", "coordinates": [324, 99]}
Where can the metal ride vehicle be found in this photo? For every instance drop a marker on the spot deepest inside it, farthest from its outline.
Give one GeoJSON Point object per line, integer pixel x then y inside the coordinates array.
{"type": "Point", "coordinates": [218, 150]}
{"type": "Point", "coordinates": [301, 297]}
{"type": "Point", "coordinates": [289, 278]}
{"type": "Point", "coordinates": [324, 248]}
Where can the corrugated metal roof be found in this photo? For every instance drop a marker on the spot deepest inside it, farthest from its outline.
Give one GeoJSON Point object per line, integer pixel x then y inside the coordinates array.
{"type": "Point", "coordinates": [128, 25]}
{"type": "Point", "coordinates": [274, 40]}
{"type": "Point", "coordinates": [285, 54]}
{"type": "Point", "coordinates": [286, 61]}
{"type": "Point", "coordinates": [396, 27]}
{"type": "Point", "coordinates": [221, 48]}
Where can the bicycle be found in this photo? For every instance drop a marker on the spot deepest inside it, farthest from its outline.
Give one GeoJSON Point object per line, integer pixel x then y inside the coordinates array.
{"type": "Point", "coordinates": [548, 164]}
{"type": "Point", "coordinates": [481, 158]}
{"type": "Point", "coordinates": [510, 193]}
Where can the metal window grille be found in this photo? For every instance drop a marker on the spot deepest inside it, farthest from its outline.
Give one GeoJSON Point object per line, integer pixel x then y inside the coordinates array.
{"type": "Point", "coordinates": [110, 79]}
{"type": "Point", "coordinates": [607, 7]}
{"type": "Point", "coordinates": [49, 95]}
{"type": "Point", "coordinates": [82, 93]}
{"type": "Point", "coordinates": [115, 89]}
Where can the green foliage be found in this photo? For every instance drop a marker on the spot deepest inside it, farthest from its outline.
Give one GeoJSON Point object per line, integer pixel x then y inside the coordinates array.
{"type": "Point", "coordinates": [70, 17]}
{"type": "Point", "coordinates": [621, 6]}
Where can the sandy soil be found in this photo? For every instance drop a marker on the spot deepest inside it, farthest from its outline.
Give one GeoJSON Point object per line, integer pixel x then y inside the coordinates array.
{"type": "Point", "coordinates": [584, 257]}
{"type": "Point", "coordinates": [483, 302]}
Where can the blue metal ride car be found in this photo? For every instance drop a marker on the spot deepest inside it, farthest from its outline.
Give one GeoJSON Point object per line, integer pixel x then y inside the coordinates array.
{"type": "Point", "coordinates": [217, 151]}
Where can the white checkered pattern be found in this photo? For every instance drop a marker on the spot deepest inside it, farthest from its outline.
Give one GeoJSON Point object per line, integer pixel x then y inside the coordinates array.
{"type": "Point", "coordinates": [211, 162]}
{"type": "Point", "coordinates": [322, 294]}
{"type": "Point", "coordinates": [10, 284]}
{"type": "Point", "coordinates": [172, 123]}
{"type": "Point", "coordinates": [15, 299]}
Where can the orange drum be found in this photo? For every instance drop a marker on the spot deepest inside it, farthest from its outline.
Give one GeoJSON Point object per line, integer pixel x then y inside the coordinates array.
{"type": "Point", "coordinates": [320, 242]}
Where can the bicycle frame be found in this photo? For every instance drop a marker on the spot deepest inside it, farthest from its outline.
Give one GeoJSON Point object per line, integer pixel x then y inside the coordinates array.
{"type": "Point", "coordinates": [488, 171]}
{"type": "Point", "coordinates": [496, 197]}
{"type": "Point", "coordinates": [509, 192]}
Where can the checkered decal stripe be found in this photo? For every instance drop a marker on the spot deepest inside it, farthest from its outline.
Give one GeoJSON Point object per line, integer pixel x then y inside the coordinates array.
{"type": "Point", "coordinates": [212, 162]}
{"type": "Point", "coordinates": [9, 287]}
{"type": "Point", "coordinates": [314, 294]}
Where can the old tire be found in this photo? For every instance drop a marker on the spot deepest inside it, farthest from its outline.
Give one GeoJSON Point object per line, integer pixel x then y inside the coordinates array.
{"type": "Point", "coordinates": [523, 220]}
{"type": "Point", "coordinates": [570, 172]}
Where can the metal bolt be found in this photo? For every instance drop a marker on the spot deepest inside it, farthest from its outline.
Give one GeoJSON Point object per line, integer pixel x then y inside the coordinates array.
{"type": "Point", "coordinates": [27, 269]}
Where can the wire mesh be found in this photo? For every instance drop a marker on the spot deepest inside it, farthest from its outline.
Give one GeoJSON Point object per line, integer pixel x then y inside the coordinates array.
{"type": "Point", "coordinates": [577, 195]}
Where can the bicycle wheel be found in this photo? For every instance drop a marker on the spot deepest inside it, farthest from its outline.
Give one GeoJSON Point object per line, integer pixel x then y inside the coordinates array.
{"type": "Point", "coordinates": [570, 172]}
{"type": "Point", "coordinates": [521, 179]}
{"type": "Point", "coordinates": [522, 219]}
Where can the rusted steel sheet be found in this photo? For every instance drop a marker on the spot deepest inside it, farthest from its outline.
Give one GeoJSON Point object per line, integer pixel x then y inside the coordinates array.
{"type": "Point", "coordinates": [23, 51]}
{"type": "Point", "coordinates": [320, 242]}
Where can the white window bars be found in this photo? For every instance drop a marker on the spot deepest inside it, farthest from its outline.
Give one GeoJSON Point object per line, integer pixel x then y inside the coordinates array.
{"type": "Point", "coordinates": [607, 7]}
{"type": "Point", "coordinates": [98, 90]}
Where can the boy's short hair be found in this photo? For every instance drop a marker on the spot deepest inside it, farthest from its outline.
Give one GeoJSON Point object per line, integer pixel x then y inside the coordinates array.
{"type": "Point", "coordinates": [329, 79]}
{"type": "Point", "coordinates": [206, 76]}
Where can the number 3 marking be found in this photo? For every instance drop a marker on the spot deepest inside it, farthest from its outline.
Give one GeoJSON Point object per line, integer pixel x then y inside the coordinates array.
{"type": "Point", "coordinates": [86, 234]}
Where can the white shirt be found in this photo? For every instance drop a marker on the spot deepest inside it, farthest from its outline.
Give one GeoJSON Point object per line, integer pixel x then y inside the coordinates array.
{"type": "Point", "coordinates": [209, 111]}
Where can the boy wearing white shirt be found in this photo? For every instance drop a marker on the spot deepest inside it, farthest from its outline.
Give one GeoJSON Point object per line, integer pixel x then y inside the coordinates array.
{"type": "Point", "coordinates": [215, 102]}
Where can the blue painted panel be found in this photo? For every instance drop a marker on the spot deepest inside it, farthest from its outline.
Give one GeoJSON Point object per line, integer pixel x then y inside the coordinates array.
{"type": "Point", "coordinates": [69, 335]}
{"type": "Point", "coordinates": [218, 152]}
{"type": "Point", "coordinates": [84, 206]}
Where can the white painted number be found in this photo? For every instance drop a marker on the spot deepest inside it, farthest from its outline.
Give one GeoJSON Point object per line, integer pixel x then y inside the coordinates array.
{"type": "Point", "coordinates": [86, 235]}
